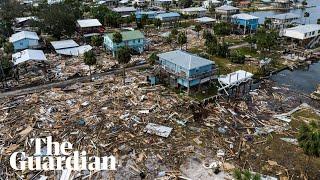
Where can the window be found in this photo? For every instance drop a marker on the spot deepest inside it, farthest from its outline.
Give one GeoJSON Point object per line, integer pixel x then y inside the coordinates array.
{"type": "Point", "coordinates": [313, 32]}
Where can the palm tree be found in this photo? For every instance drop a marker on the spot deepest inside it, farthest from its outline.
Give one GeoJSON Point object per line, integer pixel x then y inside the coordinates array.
{"type": "Point", "coordinates": [90, 59]}
{"type": "Point", "coordinates": [309, 139]}
{"type": "Point", "coordinates": [182, 39]}
{"type": "Point", "coordinates": [198, 28]}
{"type": "Point", "coordinates": [123, 57]}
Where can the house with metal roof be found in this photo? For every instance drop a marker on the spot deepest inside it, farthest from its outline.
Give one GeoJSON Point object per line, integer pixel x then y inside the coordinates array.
{"type": "Point", "coordinates": [24, 40]}
{"type": "Point", "coordinates": [124, 11]}
{"type": "Point", "coordinates": [171, 16]}
{"type": "Point", "coordinates": [70, 47]}
{"type": "Point", "coordinates": [280, 21]}
{"type": "Point", "coordinates": [148, 14]}
{"type": "Point", "coordinates": [89, 27]}
{"type": "Point", "coordinates": [133, 39]}
{"type": "Point", "coordinates": [28, 55]}
{"type": "Point", "coordinates": [187, 70]}
{"type": "Point", "coordinates": [305, 35]}
{"type": "Point", "coordinates": [194, 11]}
{"type": "Point", "coordinates": [245, 21]}
{"type": "Point", "coordinates": [227, 11]}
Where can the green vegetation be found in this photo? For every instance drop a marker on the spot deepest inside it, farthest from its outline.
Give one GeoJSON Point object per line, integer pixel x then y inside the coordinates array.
{"type": "Point", "coordinates": [123, 56]}
{"type": "Point", "coordinates": [245, 175]}
{"type": "Point", "coordinates": [182, 39]}
{"type": "Point", "coordinates": [90, 59]}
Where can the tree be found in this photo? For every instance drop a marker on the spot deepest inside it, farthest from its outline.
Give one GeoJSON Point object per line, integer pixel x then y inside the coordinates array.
{"type": "Point", "coordinates": [58, 19]}
{"type": "Point", "coordinates": [6, 67]}
{"type": "Point", "coordinates": [212, 9]}
{"type": "Point", "coordinates": [223, 50]}
{"type": "Point", "coordinates": [157, 23]}
{"type": "Point", "coordinates": [237, 57]}
{"type": "Point", "coordinates": [198, 28]}
{"type": "Point", "coordinates": [174, 32]}
{"type": "Point", "coordinates": [318, 21]}
{"type": "Point", "coordinates": [90, 59]}
{"type": "Point", "coordinates": [182, 39]}
{"type": "Point", "coordinates": [266, 39]}
{"type": "Point", "coordinates": [222, 29]}
{"type": "Point", "coordinates": [185, 3]}
{"type": "Point", "coordinates": [153, 58]}
{"type": "Point", "coordinates": [117, 37]}
{"type": "Point", "coordinates": [8, 47]}
{"type": "Point", "coordinates": [123, 57]}
{"type": "Point", "coordinates": [309, 139]}
{"type": "Point", "coordinates": [96, 40]}
{"type": "Point", "coordinates": [267, 23]}
{"type": "Point", "coordinates": [251, 40]}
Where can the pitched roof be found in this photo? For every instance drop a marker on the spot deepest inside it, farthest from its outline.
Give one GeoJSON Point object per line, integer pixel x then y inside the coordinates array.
{"type": "Point", "coordinates": [226, 8]}
{"type": "Point", "coordinates": [23, 35]}
{"type": "Point", "coordinates": [128, 35]}
{"type": "Point", "coordinates": [89, 23]}
{"type": "Point", "coordinates": [28, 55]}
{"type": "Point", "coordinates": [244, 16]}
{"type": "Point", "coordinates": [64, 44]}
{"type": "Point", "coordinates": [185, 59]}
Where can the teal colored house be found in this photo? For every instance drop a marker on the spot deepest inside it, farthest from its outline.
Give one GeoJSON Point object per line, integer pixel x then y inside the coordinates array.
{"type": "Point", "coordinates": [245, 21]}
{"type": "Point", "coordinates": [187, 69]}
{"type": "Point", "coordinates": [24, 40]}
{"type": "Point", "coordinates": [133, 39]}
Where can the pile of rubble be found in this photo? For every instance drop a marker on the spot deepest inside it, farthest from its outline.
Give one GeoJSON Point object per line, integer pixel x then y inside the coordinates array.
{"type": "Point", "coordinates": [153, 132]}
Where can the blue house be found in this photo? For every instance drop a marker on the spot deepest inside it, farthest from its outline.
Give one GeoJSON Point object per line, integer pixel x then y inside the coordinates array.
{"type": "Point", "coordinates": [245, 21]}
{"type": "Point", "coordinates": [149, 14]}
{"type": "Point", "coordinates": [170, 16]}
{"type": "Point", "coordinates": [132, 39]}
{"type": "Point", "coordinates": [24, 40]}
{"type": "Point", "coordinates": [187, 69]}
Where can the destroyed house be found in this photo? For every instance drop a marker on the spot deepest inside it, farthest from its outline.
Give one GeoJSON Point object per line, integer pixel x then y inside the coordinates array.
{"type": "Point", "coordinates": [133, 39]}
{"type": "Point", "coordinates": [187, 69]}
{"type": "Point", "coordinates": [280, 21]}
{"type": "Point", "coordinates": [89, 27]}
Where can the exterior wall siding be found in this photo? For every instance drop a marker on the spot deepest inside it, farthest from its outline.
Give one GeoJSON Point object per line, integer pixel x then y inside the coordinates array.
{"type": "Point", "coordinates": [188, 73]}
{"type": "Point", "coordinates": [25, 44]}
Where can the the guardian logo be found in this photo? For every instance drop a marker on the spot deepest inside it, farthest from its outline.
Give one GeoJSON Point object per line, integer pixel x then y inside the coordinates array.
{"type": "Point", "coordinates": [56, 156]}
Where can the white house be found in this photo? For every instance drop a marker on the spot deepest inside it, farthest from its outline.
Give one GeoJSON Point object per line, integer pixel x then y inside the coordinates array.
{"type": "Point", "coordinates": [194, 11]}
{"type": "Point", "coordinates": [124, 11]}
{"type": "Point", "coordinates": [307, 35]}
{"type": "Point", "coordinates": [206, 4]}
{"type": "Point", "coordinates": [24, 40]}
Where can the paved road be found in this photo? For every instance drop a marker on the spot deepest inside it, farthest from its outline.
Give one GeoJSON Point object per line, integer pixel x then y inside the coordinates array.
{"type": "Point", "coordinates": [64, 83]}
{"type": "Point", "coordinates": [239, 46]}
